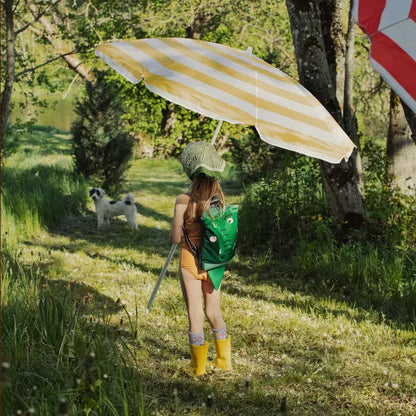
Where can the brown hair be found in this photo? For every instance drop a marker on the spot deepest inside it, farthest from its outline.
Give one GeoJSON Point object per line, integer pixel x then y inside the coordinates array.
{"type": "Point", "coordinates": [202, 191]}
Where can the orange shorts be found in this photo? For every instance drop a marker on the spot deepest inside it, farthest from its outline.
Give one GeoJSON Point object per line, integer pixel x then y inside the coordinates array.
{"type": "Point", "coordinates": [190, 263]}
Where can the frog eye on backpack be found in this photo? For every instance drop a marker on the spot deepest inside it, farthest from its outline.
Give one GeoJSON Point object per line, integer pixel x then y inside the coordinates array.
{"type": "Point", "coordinates": [230, 220]}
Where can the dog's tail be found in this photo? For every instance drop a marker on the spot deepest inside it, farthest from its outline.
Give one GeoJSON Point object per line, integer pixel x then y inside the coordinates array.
{"type": "Point", "coordinates": [129, 199]}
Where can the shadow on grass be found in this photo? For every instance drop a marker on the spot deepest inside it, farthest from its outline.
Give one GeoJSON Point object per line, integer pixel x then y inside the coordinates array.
{"type": "Point", "coordinates": [47, 141]}
{"type": "Point", "coordinates": [168, 386]}
{"type": "Point", "coordinates": [118, 235]}
{"type": "Point", "coordinates": [159, 187]}
{"type": "Point", "coordinates": [93, 301]}
{"type": "Point", "coordinates": [310, 298]}
{"type": "Point", "coordinates": [156, 215]}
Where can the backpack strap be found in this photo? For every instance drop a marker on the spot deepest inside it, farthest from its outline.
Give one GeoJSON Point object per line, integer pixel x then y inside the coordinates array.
{"type": "Point", "coordinates": [189, 243]}
{"type": "Point", "coordinates": [214, 202]}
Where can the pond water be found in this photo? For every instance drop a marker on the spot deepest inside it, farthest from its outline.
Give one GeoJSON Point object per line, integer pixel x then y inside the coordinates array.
{"type": "Point", "coordinates": [59, 112]}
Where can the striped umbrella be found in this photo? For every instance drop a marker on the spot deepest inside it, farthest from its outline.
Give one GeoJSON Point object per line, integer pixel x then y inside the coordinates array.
{"type": "Point", "coordinates": [231, 85]}
{"type": "Point", "coordinates": [391, 26]}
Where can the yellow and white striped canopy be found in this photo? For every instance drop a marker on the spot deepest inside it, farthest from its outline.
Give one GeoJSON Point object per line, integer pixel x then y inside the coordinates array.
{"type": "Point", "coordinates": [231, 85]}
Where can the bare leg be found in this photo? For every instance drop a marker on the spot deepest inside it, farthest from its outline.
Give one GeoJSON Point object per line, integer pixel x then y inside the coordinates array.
{"type": "Point", "coordinates": [212, 305]}
{"type": "Point", "coordinates": [191, 290]}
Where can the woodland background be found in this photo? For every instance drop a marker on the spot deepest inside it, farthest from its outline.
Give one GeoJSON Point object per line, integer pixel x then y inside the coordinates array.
{"type": "Point", "coordinates": [313, 235]}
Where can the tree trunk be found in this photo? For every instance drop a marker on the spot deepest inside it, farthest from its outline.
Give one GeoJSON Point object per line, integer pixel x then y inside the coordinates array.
{"type": "Point", "coordinates": [349, 118]}
{"type": "Point", "coordinates": [401, 150]}
{"type": "Point", "coordinates": [10, 66]}
{"type": "Point", "coordinates": [411, 119]}
{"type": "Point", "coordinates": [64, 49]}
{"type": "Point", "coordinates": [342, 182]}
{"type": "Point", "coordinates": [334, 41]}
{"type": "Point", "coordinates": [350, 121]}
{"type": "Point", "coordinates": [169, 119]}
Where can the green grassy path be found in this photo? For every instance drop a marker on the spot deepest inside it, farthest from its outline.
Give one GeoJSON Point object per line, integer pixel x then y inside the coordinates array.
{"type": "Point", "coordinates": [291, 350]}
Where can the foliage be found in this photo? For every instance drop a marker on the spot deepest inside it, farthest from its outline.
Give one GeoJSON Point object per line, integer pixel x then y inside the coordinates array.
{"type": "Point", "coordinates": [284, 212]}
{"type": "Point", "coordinates": [391, 214]}
{"type": "Point", "coordinates": [263, 161]}
{"type": "Point", "coordinates": [102, 149]}
{"type": "Point", "coordinates": [371, 95]}
{"type": "Point", "coordinates": [262, 25]}
{"type": "Point", "coordinates": [284, 193]}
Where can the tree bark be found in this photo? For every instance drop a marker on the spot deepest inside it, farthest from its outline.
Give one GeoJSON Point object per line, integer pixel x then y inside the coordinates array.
{"type": "Point", "coordinates": [334, 41]}
{"type": "Point", "coordinates": [342, 182]}
{"type": "Point", "coordinates": [350, 121]}
{"type": "Point", "coordinates": [10, 66]}
{"type": "Point", "coordinates": [401, 150]}
{"type": "Point", "coordinates": [411, 119]}
{"type": "Point", "coordinates": [52, 35]}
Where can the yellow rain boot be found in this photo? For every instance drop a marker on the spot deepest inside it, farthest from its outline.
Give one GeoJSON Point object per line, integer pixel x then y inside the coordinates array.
{"type": "Point", "coordinates": [199, 354]}
{"type": "Point", "coordinates": [223, 347]}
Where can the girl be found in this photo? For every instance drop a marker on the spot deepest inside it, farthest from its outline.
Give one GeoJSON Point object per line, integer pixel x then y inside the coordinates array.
{"type": "Point", "coordinates": [204, 167]}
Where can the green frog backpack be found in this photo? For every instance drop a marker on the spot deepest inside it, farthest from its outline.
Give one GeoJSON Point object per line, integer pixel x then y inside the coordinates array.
{"type": "Point", "coordinates": [218, 241]}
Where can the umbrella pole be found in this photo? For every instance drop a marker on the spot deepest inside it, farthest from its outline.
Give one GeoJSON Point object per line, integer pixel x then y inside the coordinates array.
{"type": "Point", "coordinates": [161, 276]}
{"type": "Point", "coordinates": [173, 247]}
{"type": "Point", "coordinates": [217, 130]}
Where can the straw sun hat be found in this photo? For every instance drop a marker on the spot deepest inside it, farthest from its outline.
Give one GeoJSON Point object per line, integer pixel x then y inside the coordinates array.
{"type": "Point", "coordinates": [201, 157]}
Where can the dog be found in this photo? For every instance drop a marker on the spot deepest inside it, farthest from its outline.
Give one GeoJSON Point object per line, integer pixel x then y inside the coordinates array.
{"type": "Point", "coordinates": [107, 209]}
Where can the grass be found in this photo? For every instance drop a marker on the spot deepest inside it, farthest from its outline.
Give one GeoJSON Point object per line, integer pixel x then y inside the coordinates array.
{"type": "Point", "coordinates": [295, 351]}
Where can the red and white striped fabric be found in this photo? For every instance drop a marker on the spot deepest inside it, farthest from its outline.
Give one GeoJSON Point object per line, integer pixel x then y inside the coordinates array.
{"type": "Point", "coordinates": [391, 26]}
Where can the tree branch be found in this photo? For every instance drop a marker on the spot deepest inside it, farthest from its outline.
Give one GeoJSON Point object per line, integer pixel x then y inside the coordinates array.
{"type": "Point", "coordinates": [36, 18]}
{"type": "Point", "coordinates": [25, 71]}
{"type": "Point", "coordinates": [62, 46]}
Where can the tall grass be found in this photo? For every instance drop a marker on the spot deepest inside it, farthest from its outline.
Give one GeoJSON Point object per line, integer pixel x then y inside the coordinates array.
{"type": "Point", "coordinates": [55, 360]}
{"type": "Point", "coordinates": [370, 275]}
{"type": "Point", "coordinates": [42, 195]}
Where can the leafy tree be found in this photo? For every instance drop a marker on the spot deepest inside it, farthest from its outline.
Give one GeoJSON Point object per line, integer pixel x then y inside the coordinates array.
{"type": "Point", "coordinates": [262, 24]}
{"type": "Point", "coordinates": [29, 23]}
{"type": "Point", "coordinates": [65, 32]}
{"type": "Point", "coordinates": [102, 149]}
{"type": "Point", "coordinates": [317, 36]}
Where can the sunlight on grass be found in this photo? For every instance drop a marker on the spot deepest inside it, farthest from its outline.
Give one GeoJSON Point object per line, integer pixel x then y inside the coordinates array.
{"type": "Point", "coordinates": [291, 347]}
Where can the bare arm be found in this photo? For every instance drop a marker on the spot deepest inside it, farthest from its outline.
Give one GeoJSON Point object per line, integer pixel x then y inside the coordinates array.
{"type": "Point", "coordinates": [180, 207]}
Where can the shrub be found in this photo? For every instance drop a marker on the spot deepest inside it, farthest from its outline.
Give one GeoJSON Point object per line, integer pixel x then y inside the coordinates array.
{"type": "Point", "coordinates": [262, 161]}
{"type": "Point", "coordinates": [287, 198]}
{"type": "Point", "coordinates": [102, 149]}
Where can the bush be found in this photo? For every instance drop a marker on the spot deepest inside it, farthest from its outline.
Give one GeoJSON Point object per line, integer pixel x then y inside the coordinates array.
{"type": "Point", "coordinates": [102, 149]}
{"type": "Point", "coordinates": [284, 213]}
{"type": "Point", "coordinates": [286, 199]}
{"type": "Point", "coordinates": [263, 159]}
